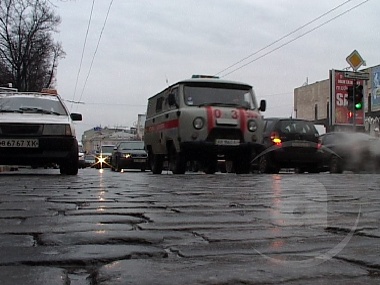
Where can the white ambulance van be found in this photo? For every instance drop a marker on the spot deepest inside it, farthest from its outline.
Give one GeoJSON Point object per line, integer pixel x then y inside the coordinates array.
{"type": "Point", "coordinates": [203, 119]}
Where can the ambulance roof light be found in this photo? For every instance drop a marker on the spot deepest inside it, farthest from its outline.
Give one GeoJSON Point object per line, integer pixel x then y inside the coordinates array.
{"type": "Point", "coordinates": [204, 76]}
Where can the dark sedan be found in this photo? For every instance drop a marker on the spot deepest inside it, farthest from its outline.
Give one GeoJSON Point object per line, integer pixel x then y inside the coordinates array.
{"type": "Point", "coordinates": [350, 151]}
{"type": "Point", "coordinates": [289, 143]}
{"type": "Point", "coordinates": [129, 155]}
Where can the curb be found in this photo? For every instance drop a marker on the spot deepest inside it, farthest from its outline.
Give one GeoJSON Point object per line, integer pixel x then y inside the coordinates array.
{"type": "Point", "coordinates": [4, 168]}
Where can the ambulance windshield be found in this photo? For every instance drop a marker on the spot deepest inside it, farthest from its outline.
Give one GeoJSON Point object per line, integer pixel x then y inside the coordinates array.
{"type": "Point", "coordinates": [228, 95]}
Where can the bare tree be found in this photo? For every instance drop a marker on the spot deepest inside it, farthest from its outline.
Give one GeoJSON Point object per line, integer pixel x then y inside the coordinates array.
{"type": "Point", "coordinates": [28, 54]}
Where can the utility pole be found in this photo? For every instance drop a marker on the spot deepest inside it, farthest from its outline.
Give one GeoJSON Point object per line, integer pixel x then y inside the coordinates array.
{"type": "Point", "coordinates": [353, 105]}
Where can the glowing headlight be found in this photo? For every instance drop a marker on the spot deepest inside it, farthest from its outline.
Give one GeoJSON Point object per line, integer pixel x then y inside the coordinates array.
{"type": "Point", "coordinates": [57, 130]}
{"type": "Point", "coordinates": [101, 159]}
{"type": "Point", "coordinates": [252, 126]}
{"type": "Point", "coordinates": [127, 155]}
{"type": "Point", "coordinates": [198, 123]}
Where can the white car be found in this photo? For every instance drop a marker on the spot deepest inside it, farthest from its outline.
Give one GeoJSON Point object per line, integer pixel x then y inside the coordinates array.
{"type": "Point", "coordinates": [36, 129]}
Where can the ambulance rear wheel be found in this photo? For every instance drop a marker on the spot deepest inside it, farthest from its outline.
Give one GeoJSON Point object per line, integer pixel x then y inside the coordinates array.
{"type": "Point", "coordinates": [156, 162]}
{"type": "Point", "coordinates": [177, 162]}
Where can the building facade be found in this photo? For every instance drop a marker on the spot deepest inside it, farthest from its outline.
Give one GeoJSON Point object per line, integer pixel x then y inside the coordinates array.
{"type": "Point", "coordinates": [94, 138]}
{"type": "Point", "coordinates": [312, 101]}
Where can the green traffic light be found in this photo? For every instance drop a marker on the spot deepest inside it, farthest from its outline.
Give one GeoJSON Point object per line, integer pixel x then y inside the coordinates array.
{"type": "Point", "coordinates": [358, 106]}
{"type": "Point", "coordinates": [358, 97]}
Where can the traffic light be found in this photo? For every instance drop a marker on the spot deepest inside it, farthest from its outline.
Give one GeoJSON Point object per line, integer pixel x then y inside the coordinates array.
{"type": "Point", "coordinates": [358, 98]}
{"type": "Point", "coordinates": [350, 97]}
{"type": "Point", "coordinates": [350, 117]}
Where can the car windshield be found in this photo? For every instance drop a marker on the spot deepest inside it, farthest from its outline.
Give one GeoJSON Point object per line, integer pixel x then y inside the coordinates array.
{"type": "Point", "coordinates": [219, 94]}
{"type": "Point", "coordinates": [132, 145]}
{"type": "Point", "coordinates": [107, 148]}
{"type": "Point", "coordinates": [31, 104]}
{"type": "Point", "coordinates": [298, 127]}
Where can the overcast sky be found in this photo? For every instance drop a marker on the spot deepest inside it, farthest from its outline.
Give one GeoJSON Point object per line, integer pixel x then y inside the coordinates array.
{"type": "Point", "coordinates": [146, 43]}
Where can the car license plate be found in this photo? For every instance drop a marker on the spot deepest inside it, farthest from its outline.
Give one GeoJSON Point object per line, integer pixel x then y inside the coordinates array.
{"type": "Point", "coordinates": [140, 160]}
{"type": "Point", "coordinates": [300, 144]}
{"type": "Point", "coordinates": [26, 143]}
{"type": "Point", "coordinates": [227, 142]}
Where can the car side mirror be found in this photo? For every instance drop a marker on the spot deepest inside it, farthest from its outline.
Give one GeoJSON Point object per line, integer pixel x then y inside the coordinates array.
{"type": "Point", "coordinates": [76, 117]}
{"type": "Point", "coordinates": [263, 105]}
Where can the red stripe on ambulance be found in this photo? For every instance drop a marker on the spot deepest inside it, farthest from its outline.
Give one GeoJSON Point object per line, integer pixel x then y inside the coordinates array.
{"type": "Point", "coordinates": [210, 118]}
{"type": "Point", "coordinates": [163, 126]}
{"type": "Point", "coordinates": [243, 120]}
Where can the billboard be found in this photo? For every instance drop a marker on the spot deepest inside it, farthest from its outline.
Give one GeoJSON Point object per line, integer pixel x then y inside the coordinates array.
{"type": "Point", "coordinates": [375, 103]}
{"type": "Point", "coordinates": [341, 113]}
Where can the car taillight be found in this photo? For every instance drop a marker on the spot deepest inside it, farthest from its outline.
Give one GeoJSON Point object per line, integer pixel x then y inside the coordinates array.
{"type": "Point", "coordinates": [275, 138]}
{"type": "Point", "coordinates": [319, 144]}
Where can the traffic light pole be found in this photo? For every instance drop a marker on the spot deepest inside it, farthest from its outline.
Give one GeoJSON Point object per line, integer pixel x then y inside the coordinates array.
{"type": "Point", "coordinates": [353, 106]}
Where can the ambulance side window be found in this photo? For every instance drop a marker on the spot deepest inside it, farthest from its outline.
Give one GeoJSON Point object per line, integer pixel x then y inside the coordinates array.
{"type": "Point", "coordinates": [159, 103]}
{"type": "Point", "coordinates": [175, 92]}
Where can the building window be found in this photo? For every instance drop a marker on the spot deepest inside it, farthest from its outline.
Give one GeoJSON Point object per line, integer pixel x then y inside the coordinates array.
{"type": "Point", "coordinates": [315, 112]}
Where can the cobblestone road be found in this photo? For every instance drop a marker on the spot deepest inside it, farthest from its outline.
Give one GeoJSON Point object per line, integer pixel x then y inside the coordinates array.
{"type": "Point", "coordinates": [108, 228]}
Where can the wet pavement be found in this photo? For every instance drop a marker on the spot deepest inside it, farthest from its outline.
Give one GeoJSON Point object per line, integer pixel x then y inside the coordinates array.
{"type": "Point", "coordinates": [107, 228]}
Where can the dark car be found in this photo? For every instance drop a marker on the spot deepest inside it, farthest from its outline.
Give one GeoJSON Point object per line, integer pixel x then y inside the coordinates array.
{"type": "Point", "coordinates": [289, 143]}
{"type": "Point", "coordinates": [36, 129]}
{"type": "Point", "coordinates": [129, 155]}
{"type": "Point", "coordinates": [349, 151]}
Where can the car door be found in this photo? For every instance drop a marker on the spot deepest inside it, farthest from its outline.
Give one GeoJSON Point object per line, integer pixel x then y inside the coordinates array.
{"type": "Point", "coordinates": [269, 125]}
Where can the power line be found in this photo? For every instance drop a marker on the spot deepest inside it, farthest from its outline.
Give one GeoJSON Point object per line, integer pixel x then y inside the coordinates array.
{"type": "Point", "coordinates": [84, 47]}
{"type": "Point", "coordinates": [111, 104]}
{"type": "Point", "coordinates": [96, 50]}
{"type": "Point", "coordinates": [292, 40]}
{"type": "Point", "coordinates": [283, 37]}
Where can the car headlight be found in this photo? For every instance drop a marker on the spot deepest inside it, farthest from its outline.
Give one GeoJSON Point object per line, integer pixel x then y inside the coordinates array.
{"type": "Point", "coordinates": [57, 130]}
{"type": "Point", "coordinates": [198, 123]}
{"type": "Point", "coordinates": [127, 155]}
{"type": "Point", "coordinates": [252, 125]}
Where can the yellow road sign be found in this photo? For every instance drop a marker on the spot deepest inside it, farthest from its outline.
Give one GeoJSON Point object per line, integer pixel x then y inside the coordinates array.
{"type": "Point", "coordinates": [355, 60]}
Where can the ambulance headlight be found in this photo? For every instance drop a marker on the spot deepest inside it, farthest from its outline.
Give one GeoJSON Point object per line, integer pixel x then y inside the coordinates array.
{"type": "Point", "coordinates": [252, 126]}
{"type": "Point", "coordinates": [198, 123]}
